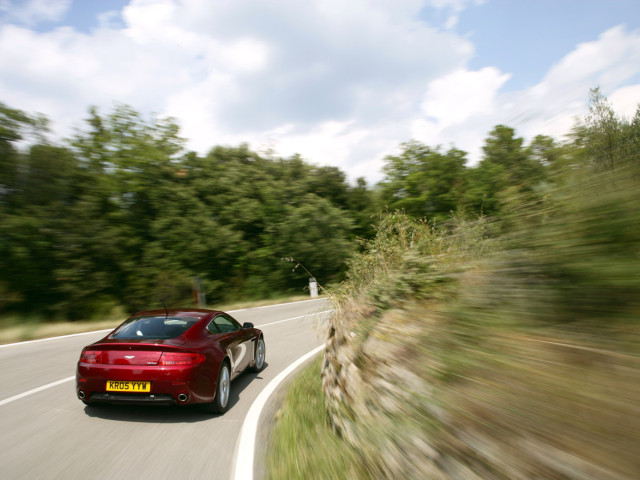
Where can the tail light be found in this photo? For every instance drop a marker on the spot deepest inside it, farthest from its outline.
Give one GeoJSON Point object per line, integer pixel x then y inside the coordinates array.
{"type": "Point", "coordinates": [166, 358]}
{"type": "Point", "coordinates": [179, 358]}
{"type": "Point", "coordinates": [91, 356]}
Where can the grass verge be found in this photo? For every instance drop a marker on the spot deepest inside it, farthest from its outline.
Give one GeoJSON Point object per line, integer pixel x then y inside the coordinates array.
{"type": "Point", "coordinates": [303, 444]}
{"type": "Point", "coordinates": [34, 331]}
{"type": "Point", "coordinates": [13, 329]}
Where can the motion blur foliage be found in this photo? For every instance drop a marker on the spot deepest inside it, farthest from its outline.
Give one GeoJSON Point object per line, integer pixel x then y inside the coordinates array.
{"type": "Point", "coordinates": [121, 214]}
{"type": "Point", "coordinates": [423, 181]}
{"type": "Point", "coordinates": [506, 347]}
{"type": "Point", "coordinates": [579, 246]}
{"type": "Point", "coordinates": [426, 182]}
{"type": "Point", "coordinates": [575, 256]}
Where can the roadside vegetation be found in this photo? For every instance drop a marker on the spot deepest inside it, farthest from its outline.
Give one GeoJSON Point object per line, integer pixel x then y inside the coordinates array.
{"type": "Point", "coordinates": [21, 328]}
{"type": "Point", "coordinates": [121, 216]}
{"type": "Point", "coordinates": [306, 445]}
{"type": "Point", "coordinates": [505, 346]}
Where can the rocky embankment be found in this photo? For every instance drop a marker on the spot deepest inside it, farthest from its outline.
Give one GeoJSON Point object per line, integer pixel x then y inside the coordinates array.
{"type": "Point", "coordinates": [421, 396]}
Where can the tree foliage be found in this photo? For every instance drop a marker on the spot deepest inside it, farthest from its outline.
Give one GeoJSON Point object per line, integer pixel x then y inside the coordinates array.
{"type": "Point", "coordinates": [424, 182]}
{"type": "Point", "coordinates": [123, 214]}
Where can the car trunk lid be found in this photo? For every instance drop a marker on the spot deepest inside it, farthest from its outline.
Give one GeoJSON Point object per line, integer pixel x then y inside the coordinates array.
{"type": "Point", "coordinates": [132, 353]}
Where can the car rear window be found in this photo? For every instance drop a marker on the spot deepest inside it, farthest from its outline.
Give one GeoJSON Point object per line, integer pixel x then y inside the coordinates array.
{"type": "Point", "coordinates": [156, 327]}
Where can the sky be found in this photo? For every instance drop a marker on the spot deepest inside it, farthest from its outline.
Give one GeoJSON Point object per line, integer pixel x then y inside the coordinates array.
{"type": "Point", "coordinates": [340, 82]}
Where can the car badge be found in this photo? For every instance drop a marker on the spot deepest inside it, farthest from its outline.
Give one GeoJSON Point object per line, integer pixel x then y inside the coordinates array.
{"type": "Point", "coordinates": [129, 356]}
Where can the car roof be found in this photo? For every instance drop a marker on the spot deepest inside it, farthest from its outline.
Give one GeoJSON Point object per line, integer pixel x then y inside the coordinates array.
{"type": "Point", "coordinates": [179, 312]}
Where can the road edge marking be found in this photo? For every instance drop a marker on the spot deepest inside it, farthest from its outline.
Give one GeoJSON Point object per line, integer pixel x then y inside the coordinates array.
{"type": "Point", "coordinates": [36, 390]}
{"type": "Point", "coordinates": [245, 447]}
{"type": "Point", "coordinates": [278, 304]}
{"type": "Point", "coordinates": [294, 318]}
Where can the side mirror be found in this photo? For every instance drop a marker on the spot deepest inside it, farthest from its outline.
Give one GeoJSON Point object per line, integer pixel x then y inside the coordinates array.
{"type": "Point", "coordinates": [247, 325]}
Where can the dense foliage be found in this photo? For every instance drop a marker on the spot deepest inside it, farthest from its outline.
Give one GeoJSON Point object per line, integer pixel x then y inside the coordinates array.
{"type": "Point", "coordinates": [123, 214]}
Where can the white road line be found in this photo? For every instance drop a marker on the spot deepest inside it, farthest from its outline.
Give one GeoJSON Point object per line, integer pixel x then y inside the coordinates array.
{"type": "Point", "coordinates": [36, 390]}
{"type": "Point", "coordinates": [294, 318]}
{"type": "Point", "coordinates": [245, 448]}
{"type": "Point", "coordinates": [277, 305]}
{"type": "Point", "coordinates": [109, 329]}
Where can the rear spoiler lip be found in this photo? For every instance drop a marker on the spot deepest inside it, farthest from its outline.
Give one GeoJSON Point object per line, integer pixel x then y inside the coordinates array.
{"type": "Point", "coordinates": [166, 345]}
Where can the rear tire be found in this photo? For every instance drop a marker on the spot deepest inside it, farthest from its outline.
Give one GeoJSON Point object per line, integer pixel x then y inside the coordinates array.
{"type": "Point", "coordinates": [260, 355]}
{"type": "Point", "coordinates": [223, 389]}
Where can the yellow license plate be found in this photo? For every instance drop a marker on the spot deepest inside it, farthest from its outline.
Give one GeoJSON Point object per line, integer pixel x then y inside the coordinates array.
{"type": "Point", "coordinates": [118, 386]}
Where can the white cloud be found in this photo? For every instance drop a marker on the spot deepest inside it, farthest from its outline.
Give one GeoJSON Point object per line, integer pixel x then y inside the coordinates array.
{"type": "Point", "coordinates": [453, 8]}
{"type": "Point", "coordinates": [32, 12]}
{"type": "Point", "coordinates": [459, 108]}
{"type": "Point", "coordinates": [610, 62]}
{"type": "Point", "coordinates": [626, 100]}
{"type": "Point", "coordinates": [110, 19]}
{"type": "Point", "coordinates": [342, 82]}
{"type": "Point", "coordinates": [462, 107]}
{"type": "Point", "coordinates": [343, 139]}
{"type": "Point", "coordinates": [462, 94]}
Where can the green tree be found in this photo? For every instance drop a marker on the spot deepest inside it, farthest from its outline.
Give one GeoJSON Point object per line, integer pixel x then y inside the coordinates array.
{"type": "Point", "coordinates": [318, 235]}
{"type": "Point", "coordinates": [15, 125]}
{"type": "Point", "coordinates": [610, 140]}
{"type": "Point", "coordinates": [330, 183]}
{"type": "Point", "coordinates": [507, 174]}
{"type": "Point", "coordinates": [424, 182]}
{"type": "Point", "coordinates": [504, 149]}
{"type": "Point", "coordinates": [123, 215]}
{"type": "Point", "coordinates": [363, 204]}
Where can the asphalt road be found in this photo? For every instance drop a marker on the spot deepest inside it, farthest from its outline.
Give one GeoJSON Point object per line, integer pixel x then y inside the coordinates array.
{"type": "Point", "coordinates": [51, 434]}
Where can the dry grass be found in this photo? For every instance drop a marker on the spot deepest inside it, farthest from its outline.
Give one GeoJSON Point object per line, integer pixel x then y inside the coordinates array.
{"type": "Point", "coordinates": [34, 331]}
{"type": "Point", "coordinates": [17, 330]}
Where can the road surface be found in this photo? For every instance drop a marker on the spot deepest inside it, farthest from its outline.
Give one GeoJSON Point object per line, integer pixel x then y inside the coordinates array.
{"type": "Point", "coordinates": [51, 434]}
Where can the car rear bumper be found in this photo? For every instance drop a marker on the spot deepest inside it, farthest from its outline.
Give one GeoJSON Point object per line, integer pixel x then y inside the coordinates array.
{"type": "Point", "coordinates": [169, 385]}
{"type": "Point", "coordinates": [133, 398]}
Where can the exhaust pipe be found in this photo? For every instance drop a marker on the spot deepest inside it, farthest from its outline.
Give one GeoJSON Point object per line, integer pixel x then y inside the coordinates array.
{"type": "Point", "coordinates": [183, 397]}
{"type": "Point", "coordinates": [81, 394]}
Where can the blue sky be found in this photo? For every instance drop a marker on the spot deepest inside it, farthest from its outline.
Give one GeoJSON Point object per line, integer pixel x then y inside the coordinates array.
{"type": "Point", "coordinates": [342, 82]}
{"type": "Point", "coordinates": [527, 36]}
{"type": "Point", "coordinates": [83, 14]}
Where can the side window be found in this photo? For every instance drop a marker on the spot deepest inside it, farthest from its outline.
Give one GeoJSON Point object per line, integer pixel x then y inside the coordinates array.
{"type": "Point", "coordinates": [226, 324]}
{"type": "Point", "coordinates": [213, 328]}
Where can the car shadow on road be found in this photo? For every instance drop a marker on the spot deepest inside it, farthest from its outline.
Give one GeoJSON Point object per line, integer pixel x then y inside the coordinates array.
{"type": "Point", "coordinates": [169, 414]}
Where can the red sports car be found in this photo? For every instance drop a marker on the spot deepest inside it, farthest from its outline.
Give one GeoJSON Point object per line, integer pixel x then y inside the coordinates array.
{"type": "Point", "coordinates": [170, 357]}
